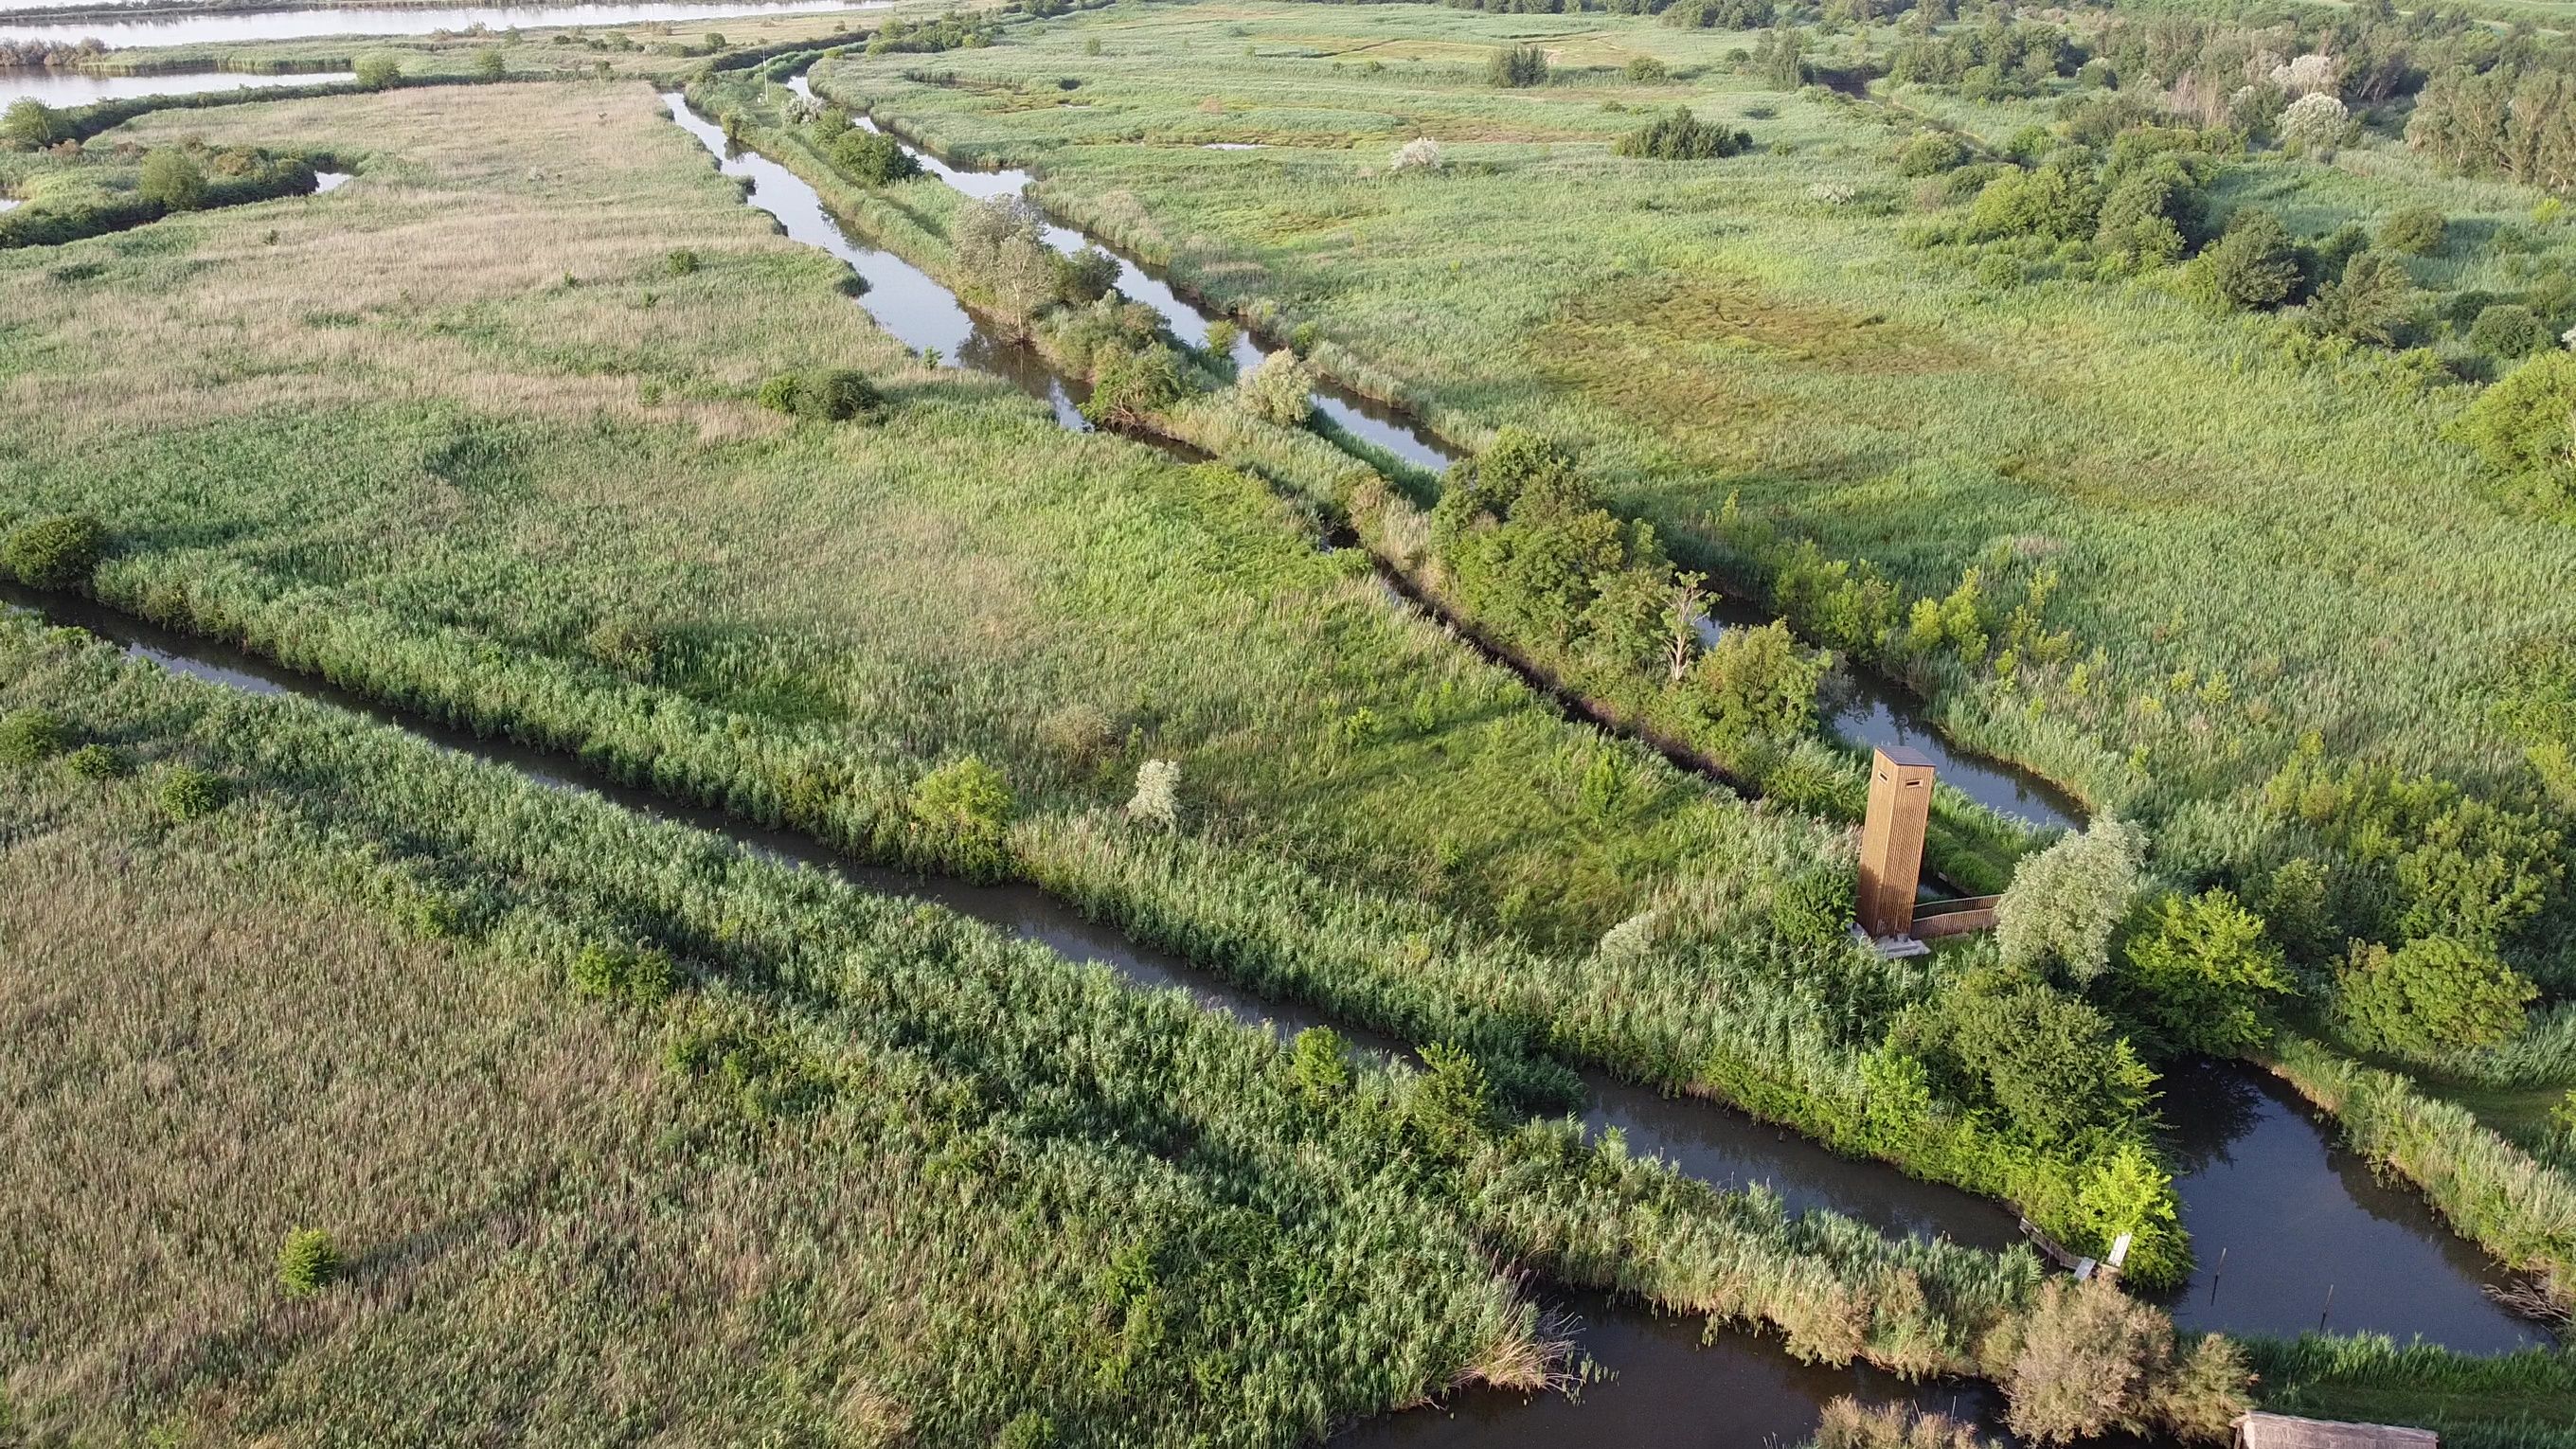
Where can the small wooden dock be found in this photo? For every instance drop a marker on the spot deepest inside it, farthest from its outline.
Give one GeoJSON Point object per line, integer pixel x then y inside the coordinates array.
{"type": "Point", "coordinates": [2283, 1431]}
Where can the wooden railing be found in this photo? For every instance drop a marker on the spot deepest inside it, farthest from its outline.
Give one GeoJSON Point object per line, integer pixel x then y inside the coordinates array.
{"type": "Point", "coordinates": [1954, 918]}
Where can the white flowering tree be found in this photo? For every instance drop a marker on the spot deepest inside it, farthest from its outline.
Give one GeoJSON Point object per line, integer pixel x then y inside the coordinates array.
{"type": "Point", "coordinates": [2065, 902]}
{"type": "Point", "coordinates": [1158, 794]}
{"type": "Point", "coordinates": [2315, 124]}
{"type": "Point", "coordinates": [2308, 75]}
{"type": "Point", "coordinates": [1419, 154]}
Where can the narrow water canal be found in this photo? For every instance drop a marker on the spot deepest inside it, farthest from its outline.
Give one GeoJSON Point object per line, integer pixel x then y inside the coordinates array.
{"type": "Point", "coordinates": [2261, 1180]}
{"type": "Point", "coordinates": [2293, 1234]}
{"type": "Point", "coordinates": [2390, 1238]}
{"type": "Point", "coordinates": [1875, 713]}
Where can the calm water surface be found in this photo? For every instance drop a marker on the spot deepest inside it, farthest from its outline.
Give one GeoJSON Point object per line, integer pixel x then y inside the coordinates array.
{"type": "Point", "coordinates": [903, 299]}
{"type": "Point", "coordinates": [216, 27]}
{"type": "Point", "coordinates": [71, 88]}
{"type": "Point", "coordinates": [2293, 1233]}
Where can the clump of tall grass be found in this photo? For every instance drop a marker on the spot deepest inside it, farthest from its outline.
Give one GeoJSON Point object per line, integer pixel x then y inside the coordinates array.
{"type": "Point", "coordinates": [1849, 1424]}
{"type": "Point", "coordinates": [307, 1262]}
{"type": "Point", "coordinates": [29, 736]}
{"type": "Point", "coordinates": [2504, 1401]}
{"type": "Point", "coordinates": [54, 553]}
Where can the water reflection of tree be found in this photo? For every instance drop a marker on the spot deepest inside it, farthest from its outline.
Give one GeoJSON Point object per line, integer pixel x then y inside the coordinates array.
{"type": "Point", "coordinates": [2208, 1107]}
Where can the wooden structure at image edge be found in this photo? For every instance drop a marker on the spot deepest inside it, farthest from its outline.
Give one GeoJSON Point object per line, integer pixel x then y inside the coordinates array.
{"type": "Point", "coordinates": [2282, 1431]}
{"type": "Point", "coordinates": [1891, 861]}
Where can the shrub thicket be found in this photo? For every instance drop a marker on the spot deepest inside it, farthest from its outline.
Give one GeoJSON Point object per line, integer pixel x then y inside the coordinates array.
{"type": "Point", "coordinates": [2418, 231]}
{"type": "Point", "coordinates": [2430, 995]}
{"type": "Point", "coordinates": [1681, 136]}
{"type": "Point", "coordinates": [873, 158]}
{"type": "Point", "coordinates": [307, 1262]}
{"type": "Point", "coordinates": [188, 793]}
{"type": "Point", "coordinates": [56, 552]}
{"type": "Point", "coordinates": [28, 736]}
{"type": "Point", "coordinates": [1516, 66]}
{"type": "Point", "coordinates": [825, 394]}
{"type": "Point", "coordinates": [99, 762]}
{"type": "Point", "coordinates": [2509, 329]}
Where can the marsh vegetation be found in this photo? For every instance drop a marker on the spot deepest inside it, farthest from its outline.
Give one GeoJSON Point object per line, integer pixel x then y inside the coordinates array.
{"type": "Point", "coordinates": [2020, 363]}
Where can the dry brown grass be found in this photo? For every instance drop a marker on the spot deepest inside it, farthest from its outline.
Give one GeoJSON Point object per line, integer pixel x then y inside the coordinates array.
{"type": "Point", "coordinates": [202, 1063]}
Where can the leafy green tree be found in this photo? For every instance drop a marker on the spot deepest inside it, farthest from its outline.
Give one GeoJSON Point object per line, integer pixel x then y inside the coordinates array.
{"type": "Point", "coordinates": [2254, 263]}
{"type": "Point", "coordinates": [2125, 1192]}
{"type": "Point", "coordinates": [379, 70]}
{"type": "Point", "coordinates": [2418, 231]}
{"type": "Point", "coordinates": [1758, 684]}
{"type": "Point", "coordinates": [489, 65]}
{"type": "Point", "coordinates": [29, 125]}
{"type": "Point", "coordinates": [1085, 277]}
{"type": "Point", "coordinates": [2203, 975]}
{"type": "Point", "coordinates": [1929, 154]}
{"type": "Point", "coordinates": [1281, 390]}
{"type": "Point", "coordinates": [1129, 387]}
{"type": "Point", "coordinates": [2050, 1061]}
{"type": "Point", "coordinates": [173, 178]}
{"type": "Point", "coordinates": [1000, 244]}
{"type": "Point", "coordinates": [2509, 329]}
{"type": "Point", "coordinates": [1319, 1063]}
{"type": "Point", "coordinates": [2428, 996]}
{"type": "Point", "coordinates": [2060, 203]}
{"type": "Point", "coordinates": [2369, 303]}
{"type": "Point", "coordinates": [1450, 1103]}
{"type": "Point", "coordinates": [965, 797]}
{"type": "Point", "coordinates": [2525, 424]}
{"type": "Point", "coordinates": [1517, 66]}
{"type": "Point", "coordinates": [2064, 903]}
{"type": "Point", "coordinates": [1781, 56]}
{"type": "Point", "coordinates": [873, 158]}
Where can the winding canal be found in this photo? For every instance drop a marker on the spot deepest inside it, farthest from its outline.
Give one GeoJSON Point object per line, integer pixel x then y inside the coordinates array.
{"type": "Point", "coordinates": [2254, 1161]}
{"type": "Point", "coordinates": [2291, 1231]}
{"type": "Point", "coordinates": [1874, 713]}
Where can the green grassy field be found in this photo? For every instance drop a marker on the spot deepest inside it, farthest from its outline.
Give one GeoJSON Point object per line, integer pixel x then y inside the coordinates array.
{"type": "Point", "coordinates": [461, 435]}
{"type": "Point", "coordinates": [2240, 561]}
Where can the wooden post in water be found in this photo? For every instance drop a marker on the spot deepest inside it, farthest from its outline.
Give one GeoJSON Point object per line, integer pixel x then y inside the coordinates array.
{"type": "Point", "coordinates": [1891, 841]}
